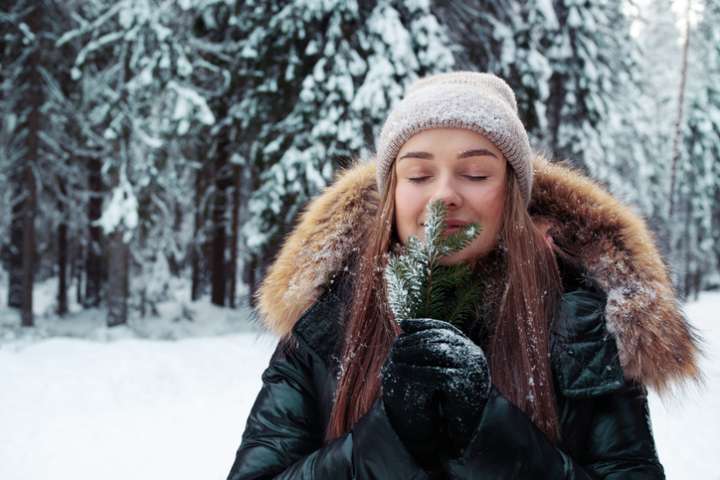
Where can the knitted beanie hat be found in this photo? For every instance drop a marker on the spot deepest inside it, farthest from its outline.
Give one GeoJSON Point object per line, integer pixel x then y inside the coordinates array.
{"type": "Point", "coordinates": [480, 102]}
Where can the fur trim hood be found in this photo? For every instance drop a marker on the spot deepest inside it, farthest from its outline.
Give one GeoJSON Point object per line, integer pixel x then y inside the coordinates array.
{"type": "Point", "coordinates": [656, 344]}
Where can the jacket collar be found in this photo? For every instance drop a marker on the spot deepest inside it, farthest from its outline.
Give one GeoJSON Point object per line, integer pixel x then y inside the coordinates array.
{"type": "Point", "coordinates": [656, 345]}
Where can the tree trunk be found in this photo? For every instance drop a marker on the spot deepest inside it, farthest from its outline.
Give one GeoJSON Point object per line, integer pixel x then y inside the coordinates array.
{"type": "Point", "coordinates": [28, 263]}
{"type": "Point", "coordinates": [21, 247]}
{"type": "Point", "coordinates": [23, 222]}
{"type": "Point", "coordinates": [677, 138]}
{"type": "Point", "coordinates": [687, 244]}
{"type": "Point", "coordinates": [234, 237]}
{"type": "Point", "coordinates": [218, 246]}
{"type": "Point", "coordinates": [176, 264]}
{"type": "Point", "coordinates": [78, 272]}
{"type": "Point", "coordinates": [250, 262]}
{"type": "Point", "coordinates": [195, 245]}
{"type": "Point", "coordinates": [119, 251]}
{"type": "Point", "coordinates": [15, 248]}
{"type": "Point", "coordinates": [554, 111]}
{"type": "Point", "coordinates": [93, 252]}
{"type": "Point", "coordinates": [62, 252]}
{"type": "Point", "coordinates": [118, 280]}
{"type": "Point", "coordinates": [249, 277]}
{"type": "Point", "coordinates": [219, 210]}
{"type": "Point", "coordinates": [62, 303]}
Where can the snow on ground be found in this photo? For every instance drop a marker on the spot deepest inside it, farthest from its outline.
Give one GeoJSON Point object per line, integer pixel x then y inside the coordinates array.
{"type": "Point", "coordinates": [127, 409]}
{"type": "Point", "coordinates": [119, 407]}
{"type": "Point", "coordinates": [687, 425]}
{"type": "Point", "coordinates": [175, 317]}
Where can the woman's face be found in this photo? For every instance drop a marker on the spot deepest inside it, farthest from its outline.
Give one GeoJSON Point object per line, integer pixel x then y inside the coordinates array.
{"type": "Point", "coordinates": [461, 168]}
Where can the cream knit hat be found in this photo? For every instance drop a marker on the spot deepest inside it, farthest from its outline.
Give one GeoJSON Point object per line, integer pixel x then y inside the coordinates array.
{"type": "Point", "coordinates": [480, 102]}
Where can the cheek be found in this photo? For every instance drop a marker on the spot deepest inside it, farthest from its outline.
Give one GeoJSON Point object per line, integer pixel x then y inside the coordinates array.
{"type": "Point", "coordinates": [492, 208]}
{"type": "Point", "coordinates": [409, 206]}
{"type": "Point", "coordinates": [497, 209]}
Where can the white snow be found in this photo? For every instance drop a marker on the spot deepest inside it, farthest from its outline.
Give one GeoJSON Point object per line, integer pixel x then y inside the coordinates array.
{"type": "Point", "coordinates": [147, 409]}
{"type": "Point", "coordinates": [121, 210]}
{"type": "Point", "coordinates": [140, 409]}
{"type": "Point", "coordinates": [687, 425]}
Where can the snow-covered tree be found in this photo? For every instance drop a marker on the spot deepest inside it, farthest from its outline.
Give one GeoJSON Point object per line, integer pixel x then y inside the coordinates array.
{"type": "Point", "coordinates": [137, 57]}
{"type": "Point", "coordinates": [697, 255]}
{"type": "Point", "coordinates": [583, 80]}
{"type": "Point", "coordinates": [26, 34]}
{"type": "Point", "coordinates": [660, 60]}
{"type": "Point", "coordinates": [325, 76]}
{"type": "Point", "coordinates": [574, 69]}
{"type": "Point", "coordinates": [510, 39]}
{"type": "Point", "coordinates": [221, 185]}
{"type": "Point", "coordinates": [627, 130]}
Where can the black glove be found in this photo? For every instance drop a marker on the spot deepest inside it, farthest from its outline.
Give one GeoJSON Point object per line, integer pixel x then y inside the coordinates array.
{"type": "Point", "coordinates": [434, 370]}
{"type": "Point", "coordinates": [412, 379]}
{"type": "Point", "coordinates": [466, 388]}
{"type": "Point", "coordinates": [464, 383]}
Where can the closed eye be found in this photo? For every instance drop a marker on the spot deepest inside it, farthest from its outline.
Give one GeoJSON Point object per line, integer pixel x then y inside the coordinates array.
{"type": "Point", "coordinates": [475, 178]}
{"type": "Point", "coordinates": [418, 179]}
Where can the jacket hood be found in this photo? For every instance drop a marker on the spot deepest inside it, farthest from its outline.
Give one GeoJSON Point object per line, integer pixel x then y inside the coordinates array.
{"type": "Point", "coordinates": [656, 345]}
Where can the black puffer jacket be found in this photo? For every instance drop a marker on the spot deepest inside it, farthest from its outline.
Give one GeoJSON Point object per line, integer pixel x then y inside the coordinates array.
{"type": "Point", "coordinates": [604, 419]}
{"type": "Point", "coordinates": [613, 336]}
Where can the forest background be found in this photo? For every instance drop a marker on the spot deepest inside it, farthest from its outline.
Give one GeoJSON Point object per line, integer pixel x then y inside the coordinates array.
{"type": "Point", "coordinates": [156, 151]}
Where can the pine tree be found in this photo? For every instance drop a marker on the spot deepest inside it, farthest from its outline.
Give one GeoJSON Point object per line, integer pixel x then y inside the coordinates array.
{"type": "Point", "coordinates": [225, 180]}
{"type": "Point", "coordinates": [659, 46]}
{"type": "Point", "coordinates": [696, 252]}
{"type": "Point", "coordinates": [420, 287]}
{"type": "Point", "coordinates": [574, 69]}
{"type": "Point", "coordinates": [584, 81]}
{"type": "Point", "coordinates": [510, 39]}
{"type": "Point", "coordinates": [27, 32]}
{"type": "Point", "coordinates": [137, 58]}
{"type": "Point", "coordinates": [324, 76]}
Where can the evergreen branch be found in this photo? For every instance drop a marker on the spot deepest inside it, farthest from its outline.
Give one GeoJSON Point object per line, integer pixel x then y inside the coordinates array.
{"type": "Point", "coordinates": [419, 286]}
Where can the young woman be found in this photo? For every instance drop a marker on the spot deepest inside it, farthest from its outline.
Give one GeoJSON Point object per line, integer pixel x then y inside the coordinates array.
{"type": "Point", "coordinates": [548, 378]}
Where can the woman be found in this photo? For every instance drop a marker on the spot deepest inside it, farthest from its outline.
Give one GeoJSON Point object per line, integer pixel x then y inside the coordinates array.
{"type": "Point", "coordinates": [547, 379]}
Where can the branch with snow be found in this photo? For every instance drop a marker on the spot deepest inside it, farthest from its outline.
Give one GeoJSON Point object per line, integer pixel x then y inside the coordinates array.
{"type": "Point", "coordinates": [419, 286]}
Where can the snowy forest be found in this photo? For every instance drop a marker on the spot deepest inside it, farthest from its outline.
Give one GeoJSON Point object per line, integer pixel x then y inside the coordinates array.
{"type": "Point", "coordinates": [160, 150]}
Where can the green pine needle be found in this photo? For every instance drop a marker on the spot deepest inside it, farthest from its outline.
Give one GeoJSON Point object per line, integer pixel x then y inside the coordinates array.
{"type": "Point", "coordinates": [419, 287]}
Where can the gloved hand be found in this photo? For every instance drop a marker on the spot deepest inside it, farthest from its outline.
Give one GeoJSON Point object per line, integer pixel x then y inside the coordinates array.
{"type": "Point", "coordinates": [412, 379]}
{"type": "Point", "coordinates": [434, 370]}
{"type": "Point", "coordinates": [466, 388]}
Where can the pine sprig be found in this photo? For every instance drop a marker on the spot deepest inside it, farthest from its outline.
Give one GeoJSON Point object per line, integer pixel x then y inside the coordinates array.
{"type": "Point", "coordinates": [419, 287]}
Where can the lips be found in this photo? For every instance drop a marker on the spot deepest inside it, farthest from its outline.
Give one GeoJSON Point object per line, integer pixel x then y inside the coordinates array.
{"type": "Point", "coordinates": [451, 230]}
{"type": "Point", "coordinates": [455, 223]}
{"type": "Point", "coordinates": [452, 226]}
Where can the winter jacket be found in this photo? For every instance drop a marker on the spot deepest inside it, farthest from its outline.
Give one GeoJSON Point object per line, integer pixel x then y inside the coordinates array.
{"type": "Point", "coordinates": [616, 332]}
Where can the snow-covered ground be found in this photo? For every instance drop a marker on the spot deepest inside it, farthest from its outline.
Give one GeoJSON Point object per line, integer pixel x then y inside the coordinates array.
{"type": "Point", "coordinates": [687, 425]}
{"type": "Point", "coordinates": [129, 408]}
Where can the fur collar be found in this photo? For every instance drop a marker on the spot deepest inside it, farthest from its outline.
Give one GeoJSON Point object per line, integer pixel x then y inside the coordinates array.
{"type": "Point", "coordinates": [655, 343]}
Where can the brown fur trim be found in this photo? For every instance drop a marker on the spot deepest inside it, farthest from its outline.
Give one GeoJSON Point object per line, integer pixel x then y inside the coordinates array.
{"type": "Point", "coordinates": [655, 342]}
{"type": "Point", "coordinates": [329, 229]}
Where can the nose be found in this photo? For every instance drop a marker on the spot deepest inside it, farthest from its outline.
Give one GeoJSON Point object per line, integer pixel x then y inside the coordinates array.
{"type": "Point", "coordinates": [448, 193]}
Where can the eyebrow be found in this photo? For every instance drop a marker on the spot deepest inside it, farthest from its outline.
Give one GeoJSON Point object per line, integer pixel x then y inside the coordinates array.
{"type": "Point", "coordinates": [475, 152]}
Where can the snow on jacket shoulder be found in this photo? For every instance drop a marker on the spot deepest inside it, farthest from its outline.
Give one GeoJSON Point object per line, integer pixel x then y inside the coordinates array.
{"type": "Point", "coordinates": [608, 343]}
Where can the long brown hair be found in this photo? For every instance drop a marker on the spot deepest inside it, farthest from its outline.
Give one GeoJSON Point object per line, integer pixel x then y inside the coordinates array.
{"type": "Point", "coordinates": [519, 345]}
